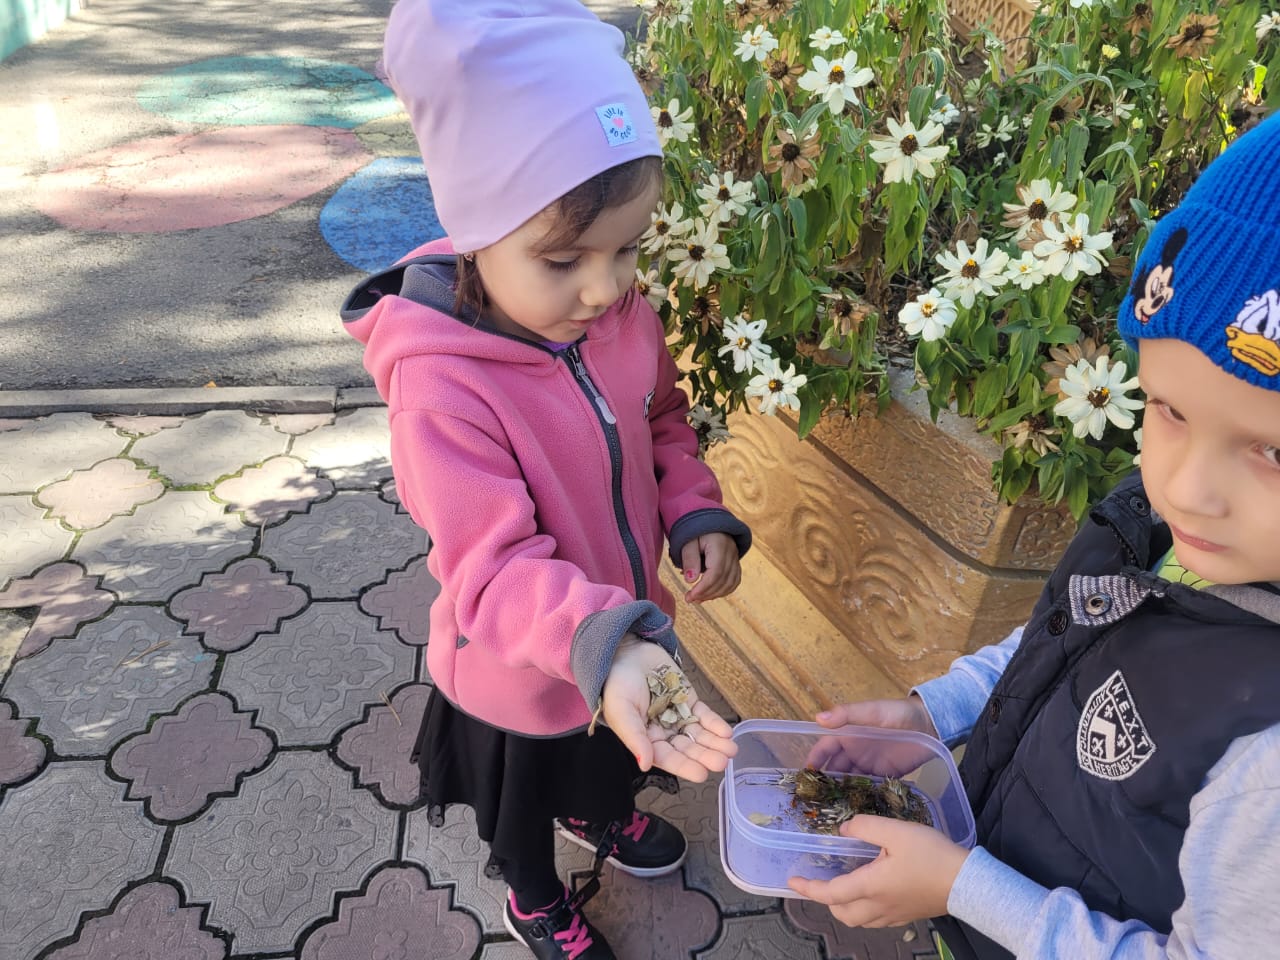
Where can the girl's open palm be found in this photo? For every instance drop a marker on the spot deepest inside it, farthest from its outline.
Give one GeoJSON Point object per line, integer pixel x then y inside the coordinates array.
{"type": "Point", "coordinates": [692, 754]}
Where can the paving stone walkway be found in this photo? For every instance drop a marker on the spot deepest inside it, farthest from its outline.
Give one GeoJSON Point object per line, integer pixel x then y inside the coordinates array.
{"type": "Point", "coordinates": [211, 630]}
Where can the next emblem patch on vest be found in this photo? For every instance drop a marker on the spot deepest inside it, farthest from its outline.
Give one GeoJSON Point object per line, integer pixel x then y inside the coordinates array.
{"type": "Point", "coordinates": [1111, 741]}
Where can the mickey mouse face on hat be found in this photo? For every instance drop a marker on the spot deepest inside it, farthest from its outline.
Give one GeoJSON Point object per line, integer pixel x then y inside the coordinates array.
{"type": "Point", "coordinates": [1153, 291]}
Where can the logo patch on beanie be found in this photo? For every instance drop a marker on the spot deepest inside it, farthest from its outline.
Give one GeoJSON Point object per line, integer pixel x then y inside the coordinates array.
{"type": "Point", "coordinates": [1111, 741]}
{"type": "Point", "coordinates": [1253, 337]}
{"type": "Point", "coordinates": [617, 125]}
{"type": "Point", "coordinates": [1153, 290]}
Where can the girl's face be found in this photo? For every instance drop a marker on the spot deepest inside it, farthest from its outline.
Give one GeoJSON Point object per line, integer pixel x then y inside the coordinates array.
{"type": "Point", "coordinates": [556, 295]}
{"type": "Point", "coordinates": [1211, 463]}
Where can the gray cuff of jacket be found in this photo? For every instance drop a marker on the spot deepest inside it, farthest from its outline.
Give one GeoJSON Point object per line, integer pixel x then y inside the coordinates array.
{"type": "Point", "coordinates": [597, 639]}
{"type": "Point", "coordinates": [711, 520]}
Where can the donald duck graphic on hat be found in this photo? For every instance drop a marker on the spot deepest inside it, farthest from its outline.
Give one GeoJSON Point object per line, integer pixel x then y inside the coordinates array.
{"type": "Point", "coordinates": [1254, 336]}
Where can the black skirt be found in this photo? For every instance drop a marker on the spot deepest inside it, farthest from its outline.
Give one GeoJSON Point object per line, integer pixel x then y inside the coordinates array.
{"type": "Point", "coordinates": [518, 785]}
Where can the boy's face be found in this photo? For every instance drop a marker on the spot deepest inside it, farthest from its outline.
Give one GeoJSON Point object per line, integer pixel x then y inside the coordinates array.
{"type": "Point", "coordinates": [556, 295]}
{"type": "Point", "coordinates": [1211, 463]}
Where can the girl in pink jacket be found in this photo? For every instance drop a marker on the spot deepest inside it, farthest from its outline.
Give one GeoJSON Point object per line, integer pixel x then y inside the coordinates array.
{"type": "Point", "coordinates": [538, 434]}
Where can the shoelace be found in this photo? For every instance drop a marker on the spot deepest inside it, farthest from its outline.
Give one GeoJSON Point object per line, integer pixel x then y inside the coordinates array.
{"type": "Point", "coordinates": [638, 825]}
{"type": "Point", "coordinates": [575, 940]}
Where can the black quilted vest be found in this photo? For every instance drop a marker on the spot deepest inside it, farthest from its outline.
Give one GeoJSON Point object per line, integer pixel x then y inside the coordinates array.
{"type": "Point", "coordinates": [1124, 692]}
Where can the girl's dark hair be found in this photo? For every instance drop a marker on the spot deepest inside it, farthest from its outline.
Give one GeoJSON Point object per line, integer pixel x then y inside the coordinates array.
{"type": "Point", "coordinates": [574, 213]}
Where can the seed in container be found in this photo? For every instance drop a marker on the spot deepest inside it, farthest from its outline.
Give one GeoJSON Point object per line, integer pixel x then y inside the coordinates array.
{"type": "Point", "coordinates": [821, 802]}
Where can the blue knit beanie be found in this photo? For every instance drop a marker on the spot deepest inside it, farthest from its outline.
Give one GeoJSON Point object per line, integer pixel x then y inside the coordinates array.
{"type": "Point", "coordinates": [1210, 273]}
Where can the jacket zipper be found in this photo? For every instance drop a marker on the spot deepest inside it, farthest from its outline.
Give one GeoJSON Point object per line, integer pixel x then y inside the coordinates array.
{"type": "Point", "coordinates": [609, 424]}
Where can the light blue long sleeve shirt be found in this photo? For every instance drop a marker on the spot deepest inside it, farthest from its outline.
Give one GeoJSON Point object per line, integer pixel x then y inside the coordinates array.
{"type": "Point", "coordinates": [1229, 862]}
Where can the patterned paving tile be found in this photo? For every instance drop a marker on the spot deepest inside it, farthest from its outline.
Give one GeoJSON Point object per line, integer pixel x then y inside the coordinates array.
{"type": "Point", "coordinates": [164, 545]}
{"type": "Point", "coordinates": [354, 452]}
{"type": "Point", "coordinates": [213, 445]}
{"type": "Point", "coordinates": [343, 544]}
{"type": "Point", "coordinates": [760, 937]}
{"type": "Point", "coordinates": [296, 424]}
{"type": "Point", "coordinates": [848, 943]}
{"type": "Point", "coordinates": [146, 425]}
{"type": "Point", "coordinates": [316, 674]}
{"type": "Point", "coordinates": [453, 854]}
{"type": "Point", "coordinates": [66, 596]}
{"type": "Point", "coordinates": [399, 916]}
{"type": "Point", "coordinates": [98, 687]}
{"type": "Point", "coordinates": [270, 859]}
{"type": "Point", "coordinates": [13, 629]}
{"type": "Point", "coordinates": [30, 541]}
{"type": "Point", "coordinates": [184, 759]}
{"type": "Point", "coordinates": [149, 923]}
{"type": "Point", "coordinates": [504, 950]}
{"type": "Point", "coordinates": [227, 610]}
{"type": "Point", "coordinates": [89, 498]}
{"type": "Point", "coordinates": [388, 492]}
{"type": "Point", "coordinates": [270, 492]}
{"type": "Point", "coordinates": [652, 919]}
{"type": "Point", "coordinates": [403, 603]}
{"type": "Point", "coordinates": [379, 747]}
{"type": "Point", "coordinates": [71, 843]}
{"type": "Point", "coordinates": [47, 449]}
{"type": "Point", "coordinates": [20, 755]}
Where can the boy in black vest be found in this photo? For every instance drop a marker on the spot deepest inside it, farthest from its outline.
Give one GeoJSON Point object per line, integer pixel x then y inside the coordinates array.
{"type": "Point", "coordinates": [1123, 757]}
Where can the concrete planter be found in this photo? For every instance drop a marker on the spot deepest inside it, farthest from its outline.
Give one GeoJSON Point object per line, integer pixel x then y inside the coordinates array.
{"type": "Point", "coordinates": [881, 554]}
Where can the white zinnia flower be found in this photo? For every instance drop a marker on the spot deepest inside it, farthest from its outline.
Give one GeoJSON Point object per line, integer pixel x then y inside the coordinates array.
{"type": "Point", "coordinates": [672, 123]}
{"type": "Point", "coordinates": [1267, 23]}
{"type": "Point", "coordinates": [1041, 200]}
{"type": "Point", "coordinates": [1077, 4]}
{"type": "Point", "coordinates": [1027, 271]}
{"type": "Point", "coordinates": [776, 387]}
{"type": "Point", "coordinates": [651, 288]}
{"type": "Point", "coordinates": [756, 44]}
{"type": "Point", "coordinates": [742, 339]}
{"type": "Point", "coordinates": [929, 316]}
{"type": "Point", "coordinates": [1071, 250]}
{"type": "Point", "coordinates": [824, 38]}
{"type": "Point", "coordinates": [665, 226]}
{"type": "Point", "coordinates": [699, 255]}
{"type": "Point", "coordinates": [970, 273]}
{"type": "Point", "coordinates": [1003, 132]}
{"type": "Point", "coordinates": [724, 197]}
{"type": "Point", "coordinates": [709, 424]}
{"type": "Point", "coordinates": [1092, 395]}
{"type": "Point", "coordinates": [836, 81]}
{"type": "Point", "coordinates": [944, 111]}
{"type": "Point", "coordinates": [907, 150]}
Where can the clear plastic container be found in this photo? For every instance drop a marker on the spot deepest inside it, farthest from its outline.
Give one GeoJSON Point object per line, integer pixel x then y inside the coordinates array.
{"type": "Point", "coordinates": [761, 841]}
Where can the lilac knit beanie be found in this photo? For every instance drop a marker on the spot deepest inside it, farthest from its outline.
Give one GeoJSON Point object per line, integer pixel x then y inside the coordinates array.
{"type": "Point", "coordinates": [514, 104]}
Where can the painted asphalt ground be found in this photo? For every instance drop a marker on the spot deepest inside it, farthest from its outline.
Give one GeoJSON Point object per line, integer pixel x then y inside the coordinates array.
{"type": "Point", "coordinates": [211, 630]}
{"type": "Point", "coordinates": [188, 191]}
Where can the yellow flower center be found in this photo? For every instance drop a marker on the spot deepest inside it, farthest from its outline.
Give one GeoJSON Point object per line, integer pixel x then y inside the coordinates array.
{"type": "Point", "coordinates": [1074, 244]}
{"type": "Point", "coordinates": [723, 194]}
{"type": "Point", "coordinates": [909, 145]}
{"type": "Point", "coordinates": [775, 385]}
{"type": "Point", "coordinates": [696, 251]}
{"type": "Point", "coordinates": [970, 270]}
{"type": "Point", "coordinates": [1038, 210]}
{"type": "Point", "coordinates": [928, 308]}
{"type": "Point", "coordinates": [1099, 397]}
{"type": "Point", "coordinates": [664, 119]}
{"type": "Point", "coordinates": [836, 75]}
{"type": "Point", "coordinates": [743, 343]}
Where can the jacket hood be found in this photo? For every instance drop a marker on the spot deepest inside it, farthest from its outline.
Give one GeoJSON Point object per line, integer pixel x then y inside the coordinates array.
{"type": "Point", "coordinates": [408, 311]}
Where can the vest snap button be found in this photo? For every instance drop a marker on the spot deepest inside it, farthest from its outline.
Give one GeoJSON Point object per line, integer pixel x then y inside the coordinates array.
{"type": "Point", "coordinates": [994, 711]}
{"type": "Point", "coordinates": [1139, 506]}
{"type": "Point", "coordinates": [1058, 622]}
{"type": "Point", "coordinates": [1097, 604]}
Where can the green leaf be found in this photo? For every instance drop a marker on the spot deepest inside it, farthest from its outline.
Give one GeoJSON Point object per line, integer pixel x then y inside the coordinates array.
{"type": "Point", "coordinates": [755, 92]}
{"type": "Point", "coordinates": [989, 390]}
{"type": "Point", "coordinates": [810, 413]}
{"type": "Point", "coordinates": [799, 218]}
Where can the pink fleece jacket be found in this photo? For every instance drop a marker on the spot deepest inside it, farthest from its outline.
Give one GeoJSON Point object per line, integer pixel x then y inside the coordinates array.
{"type": "Point", "coordinates": [546, 480]}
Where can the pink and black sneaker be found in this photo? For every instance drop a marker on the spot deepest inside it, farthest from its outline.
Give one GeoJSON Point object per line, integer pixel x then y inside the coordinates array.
{"type": "Point", "coordinates": [648, 846]}
{"type": "Point", "coordinates": [558, 932]}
